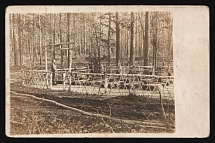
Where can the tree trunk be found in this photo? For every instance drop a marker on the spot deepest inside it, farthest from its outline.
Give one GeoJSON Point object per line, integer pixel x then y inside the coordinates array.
{"type": "Point", "coordinates": [19, 40]}
{"type": "Point", "coordinates": [140, 43]}
{"type": "Point", "coordinates": [14, 44]}
{"type": "Point", "coordinates": [84, 35]}
{"type": "Point", "coordinates": [80, 39]}
{"type": "Point", "coordinates": [11, 38]}
{"type": "Point", "coordinates": [74, 29]}
{"type": "Point", "coordinates": [54, 36]}
{"type": "Point", "coordinates": [121, 45]}
{"type": "Point", "coordinates": [100, 36]}
{"type": "Point", "coordinates": [33, 42]}
{"type": "Point", "coordinates": [135, 45]}
{"type": "Point", "coordinates": [155, 42]}
{"type": "Point", "coordinates": [29, 45]}
{"type": "Point", "coordinates": [109, 49]}
{"type": "Point", "coordinates": [127, 46]}
{"type": "Point", "coordinates": [98, 48]}
{"type": "Point", "coordinates": [132, 40]}
{"type": "Point", "coordinates": [90, 38]}
{"type": "Point", "coordinates": [117, 39]}
{"type": "Point", "coordinates": [68, 40]}
{"type": "Point", "coordinates": [170, 37]}
{"type": "Point", "coordinates": [145, 47]}
{"type": "Point", "coordinates": [23, 48]}
{"type": "Point", "coordinates": [69, 51]}
{"type": "Point", "coordinates": [61, 51]}
{"type": "Point", "coordinates": [40, 41]}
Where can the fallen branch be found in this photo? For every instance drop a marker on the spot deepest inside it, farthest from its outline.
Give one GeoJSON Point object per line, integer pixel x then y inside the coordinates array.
{"type": "Point", "coordinates": [108, 125]}
{"type": "Point", "coordinates": [93, 114]}
{"type": "Point", "coordinates": [15, 122]}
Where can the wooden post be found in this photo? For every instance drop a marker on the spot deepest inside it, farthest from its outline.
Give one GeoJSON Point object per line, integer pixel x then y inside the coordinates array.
{"type": "Point", "coordinates": [61, 55]}
{"type": "Point", "coordinates": [160, 88]}
{"type": "Point", "coordinates": [23, 75]}
{"type": "Point", "coordinates": [64, 78]}
{"type": "Point", "coordinates": [46, 67]}
{"type": "Point", "coordinates": [105, 83]}
{"type": "Point", "coordinates": [50, 80]}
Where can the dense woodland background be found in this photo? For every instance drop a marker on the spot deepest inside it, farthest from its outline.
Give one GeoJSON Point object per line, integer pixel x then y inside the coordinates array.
{"type": "Point", "coordinates": [143, 38]}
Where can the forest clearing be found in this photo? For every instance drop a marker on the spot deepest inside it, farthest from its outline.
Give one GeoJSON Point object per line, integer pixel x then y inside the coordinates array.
{"type": "Point", "coordinates": [91, 73]}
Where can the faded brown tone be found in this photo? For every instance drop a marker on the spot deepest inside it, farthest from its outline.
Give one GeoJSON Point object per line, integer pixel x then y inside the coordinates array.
{"type": "Point", "coordinates": [155, 62]}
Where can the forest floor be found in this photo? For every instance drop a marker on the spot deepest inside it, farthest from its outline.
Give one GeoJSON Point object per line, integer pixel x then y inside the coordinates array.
{"type": "Point", "coordinates": [80, 113]}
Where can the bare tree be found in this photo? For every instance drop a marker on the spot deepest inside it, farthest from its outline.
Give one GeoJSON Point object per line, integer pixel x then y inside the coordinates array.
{"type": "Point", "coordinates": [109, 28]}
{"type": "Point", "coordinates": [145, 48]}
{"type": "Point", "coordinates": [85, 42]}
{"type": "Point", "coordinates": [68, 39]}
{"type": "Point", "coordinates": [19, 40]}
{"type": "Point", "coordinates": [117, 39]}
{"type": "Point", "coordinates": [33, 41]}
{"type": "Point", "coordinates": [14, 41]}
{"type": "Point", "coordinates": [53, 36]}
{"type": "Point", "coordinates": [155, 41]}
{"type": "Point", "coordinates": [40, 41]}
{"type": "Point", "coordinates": [132, 40]}
{"type": "Point", "coordinates": [60, 34]}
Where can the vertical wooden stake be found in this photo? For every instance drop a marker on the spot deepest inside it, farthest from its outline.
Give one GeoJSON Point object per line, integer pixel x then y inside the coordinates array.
{"type": "Point", "coordinates": [50, 80]}
{"type": "Point", "coordinates": [160, 88]}
{"type": "Point", "coordinates": [46, 67]}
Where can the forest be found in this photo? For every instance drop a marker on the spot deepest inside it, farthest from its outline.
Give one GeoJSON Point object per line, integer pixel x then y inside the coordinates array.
{"type": "Point", "coordinates": [141, 38]}
{"type": "Point", "coordinates": [135, 94]}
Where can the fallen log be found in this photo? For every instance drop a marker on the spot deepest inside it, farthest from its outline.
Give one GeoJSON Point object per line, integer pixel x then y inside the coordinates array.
{"type": "Point", "coordinates": [146, 123]}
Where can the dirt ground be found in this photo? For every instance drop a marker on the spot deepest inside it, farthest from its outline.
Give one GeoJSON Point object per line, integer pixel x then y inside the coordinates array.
{"type": "Point", "coordinates": [30, 116]}
{"type": "Point", "coordinates": [33, 116]}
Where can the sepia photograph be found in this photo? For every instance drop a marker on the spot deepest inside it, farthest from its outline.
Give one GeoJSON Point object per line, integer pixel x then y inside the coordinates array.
{"type": "Point", "coordinates": [90, 72]}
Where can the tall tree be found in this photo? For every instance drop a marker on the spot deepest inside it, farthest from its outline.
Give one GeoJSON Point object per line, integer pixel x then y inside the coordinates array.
{"type": "Point", "coordinates": [19, 40]}
{"type": "Point", "coordinates": [53, 35]}
{"type": "Point", "coordinates": [117, 39]}
{"type": "Point", "coordinates": [28, 39]}
{"type": "Point", "coordinates": [100, 37]}
{"type": "Point", "coordinates": [145, 48]}
{"type": "Point", "coordinates": [155, 41]}
{"type": "Point", "coordinates": [127, 40]}
{"type": "Point", "coordinates": [69, 50]}
{"type": "Point", "coordinates": [90, 37]}
{"type": "Point", "coordinates": [135, 39]}
{"type": "Point", "coordinates": [40, 29]}
{"type": "Point", "coordinates": [85, 42]}
{"type": "Point", "coordinates": [109, 49]}
{"type": "Point", "coordinates": [98, 45]}
{"type": "Point", "coordinates": [121, 46]}
{"type": "Point", "coordinates": [170, 34]}
{"type": "Point", "coordinates": [14, 42]}
{"type": "Point", "coordinates": [61, 51]}
{"type": "Point", "coordinates": [140, 41]}
{"type": "Point", "coordinates": [68, 40]}
{"type": "Point", "coordinates": [33, 41]}
{"type": "Point", "coordinates": [74, 29]}
{"type": "Point", "coordinates": [132, 40]}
